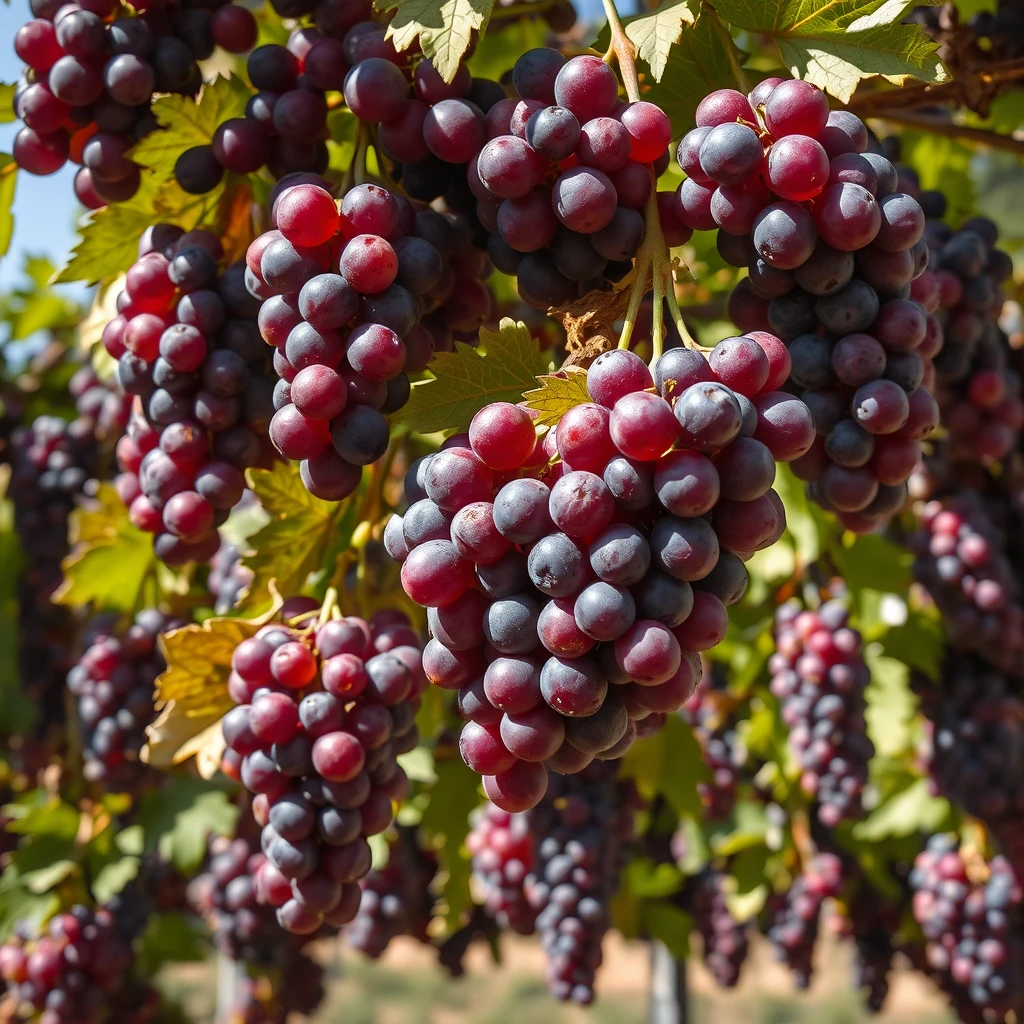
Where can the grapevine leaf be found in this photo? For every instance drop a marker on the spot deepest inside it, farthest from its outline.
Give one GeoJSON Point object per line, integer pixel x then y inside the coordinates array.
{"type": "Point", "coordinates": [836, 43]}
{"type": "Point", "coordinates": [558, 393]}
{"type": "Point", "coordinates": [192, 693]}
{"type": "Point", "coordinates": [170, 937]}
{"type": "Point", "coordinates": [44, 816]}
{"type": "Point", "coordinates": [19, 904]}
{"type": "Point", "coordinates": [669, 762]}
{"type": "Point", "coordinates": [652, 881]}
{"type": "Point", "coordinates": [912, 810]}
{"type": "Point", "coordinates": [186, 122]}
{"type": "Point", "coordinates": [466, 380]}
{"type": "Point", "coordinates": [446, 820]}
{"type": "Point", "coordinates": [7, 113]}
{"type": "Point", "coordinates": [293, 544]}
{"type": "Point", "coordinates": [872, 562]}
{"type": "Point", "coordinates": [110, 559]}
{"type": "Point", "coordinates": [8, 185]}
{"type": "Point", "coordinates": [589, 323]}
{"type": "Point", "coordinates": [699, 64]}
{"type": "Point", "coordinates": [655, 34]}
{"type": "Point", "coordinates": [496, 52]}
{"type": "Point", "coordinates": [891, 705]}
{"type": "Point", "coordinates": [917, 642]}
{"type": "Point", "coordinates": [178, 819]}
{"type": "Point", "coordinates": [668, 924]}
{"type": "Point", "coordinates": [17, 712]}
{"type": "Point", "coordinates": [445, 29]}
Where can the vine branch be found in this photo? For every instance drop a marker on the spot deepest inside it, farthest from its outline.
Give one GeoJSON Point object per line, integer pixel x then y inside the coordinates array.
{"type": "Point", "coordinates": [942, 126]}
{"type": "Point", "coordinates": [621, 47]}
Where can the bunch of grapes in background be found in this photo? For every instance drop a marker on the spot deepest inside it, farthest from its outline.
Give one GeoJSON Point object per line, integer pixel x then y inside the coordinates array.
{"type": "Point", "coordinates": [189, 351]}
{"type": "Point", "coordinates": [583, 829]}
{"type": "Point", "coordinates": [568, 600]}
{"type": "Point", "coordinates": [969, 911]}
{"type": "Point", "coordinates": [709, 714]}
{"type": "Point", "coordinates": [819, 675]}
{"type": "Point", "coordinates": [91, 72]}
{"type": "Point", "coordinates": [794, 926]}
{"type": "Point", "coordinates": [831, 247]}
{"type": "Point", "coordinates": [977, 373]}
{"type": "Point", "coordinates": [976, 720]}
{"type": "Point", "coordinates": [101, 401]}
{"type": "Point", "coordinates": [323, 711]}
{"type": "Point", "coordinates": [501, 847]}
{"type": "Point", "coordinates": [396, 898]}
{"type": "Point", "coordinates": [52, 464]}
{"type": "Point", "coordinates": [961, 561]}
{"type": "Point", "coordinates": [113, 683]}
{"type": "Point", "coordinates": [872, 924]}
{"type": "Point", "coordinates": [344, 289]}
{"type": "Point", "coordinates": [228, 579]}
{"type": "Point", "coordinates": [725, 939]}
{"type": "Point", "coordinates": [80, 967]}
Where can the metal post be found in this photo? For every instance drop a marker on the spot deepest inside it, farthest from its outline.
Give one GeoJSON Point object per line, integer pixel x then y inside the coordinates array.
{"type": "Point", "coordinates": [669, 1003]}
{"type": "Point", "coordinates": [230, 975]}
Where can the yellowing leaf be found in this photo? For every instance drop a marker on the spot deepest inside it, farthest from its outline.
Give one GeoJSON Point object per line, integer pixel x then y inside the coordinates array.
{"type": "Point", "coordinates": [186, 122]}
{"type": "Point", "coordinates": [444, 29]}
{"type": "Point", "coordinates": [293, 544]}
{"type": "Point", "coordinates": [192, 693]}
{"type": "Point", "coordinates": [699, 64]}
{"type": "Point", "coordinates": [7, 103]}
{"type": "Point", "coordinates": [110, 559]}
{"type": "Point", "coordinates": [655, 34]}
{"type": "Point", "coordinates": [466, 380]}
{"type": "Point", "coordinates": [836, 44]}
{"type": "Point", "coordinates": [557, 394]}
{"type": "Point", "coordinates": [8, 184]}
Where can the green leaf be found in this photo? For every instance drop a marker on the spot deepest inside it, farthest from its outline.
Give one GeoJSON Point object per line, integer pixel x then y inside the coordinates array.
{"type": "Point", "coordinates": [698, 65]}
{"type": "Point", "coordinates": [418, 764]}
{"type": "Point", "coordinates": [446, 821]}
{"type": "Point", "coordinates": [8, 186]}
{"type": "Point", "coordinates": [748, 868]}
{"type": "Point", "coordinates": [444, 28]}
{"type": "Point", "coordinates": [170, 938]}
{"type": "Point", "coordinates": [750, 829]}
{"type": "Point", "coordinates": [647, 879]}
{"type": "Point", "coordinates": [17, 712]}
{"type": "Point", "coordinates": [918, 642]}
{"type": "Point", "coordinates": [178, 819]}
{"type": "Point", "coordinates": [891, 705]}
{"type": "Point", "coordinates": [7, 114]}
{"type": "Point", "coordinates": [655, 34]}
{"type": "Point", "coordinates": [110, 559]}
{"type": "Point", "coordinates": [912, 810]}
{"type": "Point", "coordinates": [297, 538]}
{"type": "Point", "coordinates": [51, 817]}
{"type": "Point", "coordinates": [806, 524]}
{"type": "Point", "coordinates": [113, 877]}
{"type": "Point", "coordinates": [872, 562]}
{"type": "Point", "coordinates": [466, 380]}
{"type": "Point", "coordinates": [671, 763]}
{"type": "Point", "coordinates": [558, 393]}
{"type": "Point", "coordinates": [668, 924]}
{"type": "Point", "coordinates": [836, 43]}
{"type": "Point", "coordinates": [496, 52]}
{"type": "Point", "coordinates": [19, 904]}
{"type": "Point", "coordinates": [187, 122]}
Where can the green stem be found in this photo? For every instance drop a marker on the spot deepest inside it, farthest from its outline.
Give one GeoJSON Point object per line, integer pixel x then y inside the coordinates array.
{"type": "Point", "coordinates": [658, 316]}
{"type": "Point", "coordinates": [677, 318]}
{"type": "Point", "coordinates": [730, 48]}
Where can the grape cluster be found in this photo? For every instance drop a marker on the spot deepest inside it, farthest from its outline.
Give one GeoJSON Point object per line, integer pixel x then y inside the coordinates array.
{"type": "Point", "coordinates": [976, 720]}
{"type": "Point", "coordinates": [101, 401]}
{"type": "Point", "coordinates": [91, 71]}
{"type": "Point", "coordinates": [79, 969]}
{"type": "Point", "coordinates": [819, 675]}
{"type": "Point", "coordinates": [396, 898]}
{"type": "Point", "coordinates": [323, 711]}
{"type": "Point", "coordinates": [502, 856]}
{"type": "Point", "coordinates": [725, 939]}
{"type": "Point", "coordinates": [831, 247]}
{"type": "Point", "coordinates": [228, 578]}
{"type": "Point", "coordinates": [709, 713]}
{"type": "Point", "coordinates": [224, 896]}
{"type": "Point", "coordinates": [344, 290]}
{"type": "Point", "coordinates": [872, 924]}
{"type": "Point", "coordinates": [113, 685]}
{"type": "Point", "coordinates": [977, 373]}
{"type": "Point", "coordinates": [568, 600]}
{"type": "Point", "coordinates": [52, 461]}
{"type": "Point", "coordinates": [794, 928]}
{"type": "Point", "coordinates": [970, 913]}
{"type": "Point", "coordinates": [583, 828]}
{"type": "Point", "coordinates": [189, 351]}
{"type": "Point", "coordinates": [961, 560]}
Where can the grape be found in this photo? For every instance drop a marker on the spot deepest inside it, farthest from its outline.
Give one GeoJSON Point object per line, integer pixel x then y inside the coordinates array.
{"type": "Point", "coordinates": [730, 153]}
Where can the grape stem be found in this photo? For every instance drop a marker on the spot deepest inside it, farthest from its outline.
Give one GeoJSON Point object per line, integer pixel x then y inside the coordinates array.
{"type": "Point", "coordinates": [621, 47]}
{"type": "Point", "coordinates": [328, 607]}
{"type": "Point", "coordinates": [730, 48]}
{"type": "Point", "coordinates": [355, 173]}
